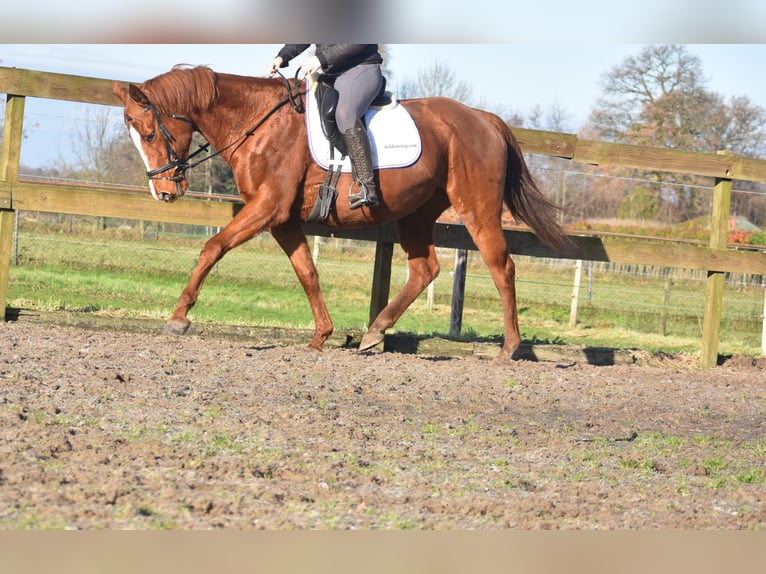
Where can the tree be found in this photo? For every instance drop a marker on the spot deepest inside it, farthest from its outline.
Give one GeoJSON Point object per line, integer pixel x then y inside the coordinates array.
{"type": "Point", "coordinates": [101, 151]}
{"type": "Point", "coordinates": [639, 83]}
{"type": "Point", "coordinates": [640, 204]}
{"type": "Point", "coordinates": [438, 80]}
{"type": "Point", "coordinates": [659, 98]}
{"type": "Point", "coordinates": [91, 141]}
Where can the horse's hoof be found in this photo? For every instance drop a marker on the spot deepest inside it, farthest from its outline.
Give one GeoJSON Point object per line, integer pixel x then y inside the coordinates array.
{"type": "Point", "coordinates": [370, 340]}
{"type": "Point", "coordinates": [177, 327]}
{"type": "Point", "coordinates": [505, 357]}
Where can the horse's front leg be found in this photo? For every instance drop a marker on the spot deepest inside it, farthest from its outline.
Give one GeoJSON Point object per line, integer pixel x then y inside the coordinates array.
{"type": "Point", "coordinates": [245, 225]}
{"type": "Point", "coordinates": [292, 240]}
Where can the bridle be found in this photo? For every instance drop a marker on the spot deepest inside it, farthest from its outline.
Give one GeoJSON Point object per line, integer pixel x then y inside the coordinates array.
{"type": "Point", "coordinates": [294, 97]}
{"type": "Point", "coordinates": [174, 161]}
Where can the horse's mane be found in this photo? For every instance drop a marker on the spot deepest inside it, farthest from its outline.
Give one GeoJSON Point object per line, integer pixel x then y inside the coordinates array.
{"type": "Point", "coordinates": [183, 89]}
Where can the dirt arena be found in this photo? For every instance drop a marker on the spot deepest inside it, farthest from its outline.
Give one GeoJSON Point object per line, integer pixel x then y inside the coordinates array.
{"type": "Point", "coordinates": [109, 429]}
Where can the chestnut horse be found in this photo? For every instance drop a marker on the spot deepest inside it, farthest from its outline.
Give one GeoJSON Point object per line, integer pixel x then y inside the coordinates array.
{"type": "Point", "coordinates": [470, 161]}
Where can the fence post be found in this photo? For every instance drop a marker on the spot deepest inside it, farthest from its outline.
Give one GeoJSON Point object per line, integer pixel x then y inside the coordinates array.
{"type": "Point", "coordinates": [458, 293]}
{"type": "Point", "coordinates": [315, 251]}
{"type": "Point", "coordinates": [10, 155]}
{"type": "Point", "coordinates": [665, 303]}
{"type": "Point", "coordinates": [381, 278]}
{"type": "Point", "coordinates": [6, 246]}
{"type": "Point", "coordinates": [763, 319]}
{"type": "Point", "coordinates": [719, 234]}
{"type": "Point", "coordinates": [575, 295]}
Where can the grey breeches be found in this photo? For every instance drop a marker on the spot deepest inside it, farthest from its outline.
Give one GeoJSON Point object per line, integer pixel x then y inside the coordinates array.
{"type": "Point", "coordinates": [357, 89]}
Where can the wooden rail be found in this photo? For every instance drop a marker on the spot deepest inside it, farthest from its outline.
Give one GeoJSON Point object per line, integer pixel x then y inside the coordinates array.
{"type": "Point", "coordinates": [716, 258]}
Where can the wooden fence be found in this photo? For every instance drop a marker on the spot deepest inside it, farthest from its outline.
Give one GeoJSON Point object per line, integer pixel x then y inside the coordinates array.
{"type": "Point", "coordinates": [716, 258]}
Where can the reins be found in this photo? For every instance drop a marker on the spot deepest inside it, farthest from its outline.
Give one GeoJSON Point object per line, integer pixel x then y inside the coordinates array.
{"type": "Point", "coordinates": [294, 97]}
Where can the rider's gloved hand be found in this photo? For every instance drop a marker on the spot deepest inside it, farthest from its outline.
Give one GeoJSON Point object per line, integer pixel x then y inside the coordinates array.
{"type": "Point", "coordinates": [275, 65]}
{"type": "Point", "coordinates": [310, 65]}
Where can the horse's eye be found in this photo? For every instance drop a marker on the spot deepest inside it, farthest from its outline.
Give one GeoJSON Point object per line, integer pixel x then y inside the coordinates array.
{"type": "Point", "coordinates": [151, 136]}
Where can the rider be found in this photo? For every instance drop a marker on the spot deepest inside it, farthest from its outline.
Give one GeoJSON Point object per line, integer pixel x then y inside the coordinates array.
{"type": "Point", "coordinates": [358, 79]}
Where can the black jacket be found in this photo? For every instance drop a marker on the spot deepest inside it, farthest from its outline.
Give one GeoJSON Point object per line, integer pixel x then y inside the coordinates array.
{"type": "Point", "coordinates": [335, 58]}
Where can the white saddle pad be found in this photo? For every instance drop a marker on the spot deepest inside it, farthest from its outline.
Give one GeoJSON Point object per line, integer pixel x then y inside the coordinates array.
{"type": "Point", "coordinates": [394, 138]}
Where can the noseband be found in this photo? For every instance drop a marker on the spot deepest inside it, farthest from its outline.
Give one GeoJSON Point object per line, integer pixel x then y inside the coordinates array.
{"type": "Point", "coordinates": [174, 162]}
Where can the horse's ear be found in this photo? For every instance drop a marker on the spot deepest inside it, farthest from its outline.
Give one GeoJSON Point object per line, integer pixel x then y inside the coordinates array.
{"type": "Point", "coordinates": [138, 96]}
{"type": "Point", "coordinates": [120, 91]}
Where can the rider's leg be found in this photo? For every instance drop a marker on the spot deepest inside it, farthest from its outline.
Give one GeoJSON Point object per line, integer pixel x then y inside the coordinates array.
{"type": "Point", "coordinates": [357, 88]}
{"type": "Point", "coordinates": [358, 146]}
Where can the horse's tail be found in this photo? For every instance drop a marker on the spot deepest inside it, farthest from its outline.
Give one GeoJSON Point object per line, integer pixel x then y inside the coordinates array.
{"type": "Point", "coordinates": [527, 202]}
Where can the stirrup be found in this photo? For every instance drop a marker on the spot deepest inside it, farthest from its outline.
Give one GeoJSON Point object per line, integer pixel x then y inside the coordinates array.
{"type": "Point", "coordinates": [362, 198]}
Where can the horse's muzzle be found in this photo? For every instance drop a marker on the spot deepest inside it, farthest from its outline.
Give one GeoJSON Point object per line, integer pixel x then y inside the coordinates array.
{"type": "Point", "coordinates": [179, 190]}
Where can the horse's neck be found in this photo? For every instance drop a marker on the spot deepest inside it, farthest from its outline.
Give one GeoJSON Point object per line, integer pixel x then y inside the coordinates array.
{"type": "Point", "coordinates": [243, 105]}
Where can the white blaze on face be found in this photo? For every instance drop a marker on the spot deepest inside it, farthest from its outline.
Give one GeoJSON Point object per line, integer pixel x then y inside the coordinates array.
{"type": "Point", "coordinates": [136, 137]}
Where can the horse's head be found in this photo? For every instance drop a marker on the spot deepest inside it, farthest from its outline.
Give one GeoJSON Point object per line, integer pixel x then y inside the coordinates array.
{"type": "Point", "coordinates": [163, 140]}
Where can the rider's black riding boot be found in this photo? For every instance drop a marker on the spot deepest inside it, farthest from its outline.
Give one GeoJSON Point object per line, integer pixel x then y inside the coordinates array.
{"type": "Point", "coordinates": [358, 146]}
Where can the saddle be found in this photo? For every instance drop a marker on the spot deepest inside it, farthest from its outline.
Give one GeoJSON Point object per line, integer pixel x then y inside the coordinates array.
{"type": "Point", "coordinates": [394, 138]}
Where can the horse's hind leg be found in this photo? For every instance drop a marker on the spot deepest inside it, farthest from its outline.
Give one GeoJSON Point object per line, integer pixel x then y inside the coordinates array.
{"type": "Point", "coordinates": [293, 241]}
{"type": "Point", "coordinates": [490, 241]}
{"type": "Point", "coordinates": [416, 238]}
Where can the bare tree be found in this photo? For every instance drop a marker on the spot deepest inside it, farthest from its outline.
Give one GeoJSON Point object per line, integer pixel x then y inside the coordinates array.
{"type": "Point", "coordinates": [100, 150]}
{"type": "Point", "coordinates": [638, 83]}
{"type": "Point", "coordinates": [553, 118]}
{"type": "Point", "coordinates": [438, 80]}
{"type": "Point", "coordinates": [659, 98]}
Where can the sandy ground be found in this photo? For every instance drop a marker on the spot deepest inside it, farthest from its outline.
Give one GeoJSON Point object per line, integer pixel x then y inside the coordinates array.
{"type": "Point", "coordinates": [134, 430]}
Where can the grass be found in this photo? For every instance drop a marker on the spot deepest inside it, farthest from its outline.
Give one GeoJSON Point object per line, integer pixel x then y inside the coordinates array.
{"type": "Point", "coordinates": [122, 274]}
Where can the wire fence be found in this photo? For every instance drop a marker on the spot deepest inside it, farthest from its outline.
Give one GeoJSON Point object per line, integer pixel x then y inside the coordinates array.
{"type": "Point", "coordinates": [643, 298]}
